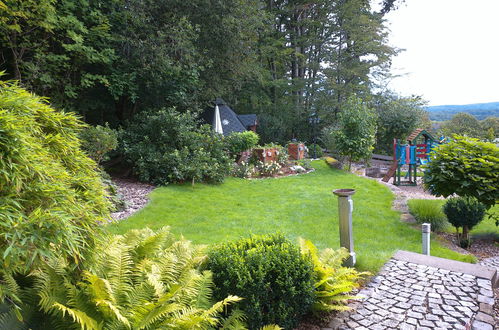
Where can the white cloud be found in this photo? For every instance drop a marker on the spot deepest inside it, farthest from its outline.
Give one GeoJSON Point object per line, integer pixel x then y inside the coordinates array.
{"type": "Point", "coordinates": [452, 50]}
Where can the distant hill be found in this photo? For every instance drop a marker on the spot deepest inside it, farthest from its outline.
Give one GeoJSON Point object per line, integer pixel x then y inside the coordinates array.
{"type": "Point", "coordinates": [479, 110]}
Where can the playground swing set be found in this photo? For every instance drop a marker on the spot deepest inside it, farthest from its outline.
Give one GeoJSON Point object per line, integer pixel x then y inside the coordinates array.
{"type": "Point", "coordinates": [415, 152]}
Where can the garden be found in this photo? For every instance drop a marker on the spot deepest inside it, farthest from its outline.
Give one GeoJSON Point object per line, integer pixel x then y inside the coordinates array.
{"type": "Point", "coordinates": [123, 207]}
{"type": "Point", "coordinates": [227, 210]}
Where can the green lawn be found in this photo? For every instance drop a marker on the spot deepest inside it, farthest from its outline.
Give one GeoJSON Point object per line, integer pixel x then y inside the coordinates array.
{"type": "Point", "coordinates": [486, 227]}
{"type": "Point", "coordinates": [298, 206]}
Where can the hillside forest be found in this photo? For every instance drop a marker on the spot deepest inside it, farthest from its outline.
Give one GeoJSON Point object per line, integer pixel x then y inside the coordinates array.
{"type": "Point", "coordinates": [285, 60]}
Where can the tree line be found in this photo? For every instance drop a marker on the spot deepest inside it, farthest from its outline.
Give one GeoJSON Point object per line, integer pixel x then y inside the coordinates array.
{"type": "Point", "coordinates": [282, 59]}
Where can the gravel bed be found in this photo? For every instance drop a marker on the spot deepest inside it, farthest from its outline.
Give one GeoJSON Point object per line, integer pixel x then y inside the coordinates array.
{"type": "Point", "coordinates": [135, 195]}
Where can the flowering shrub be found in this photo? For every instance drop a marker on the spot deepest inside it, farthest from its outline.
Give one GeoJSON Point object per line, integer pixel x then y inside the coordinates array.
{"type": "Point", "coordinates": [267, 169]}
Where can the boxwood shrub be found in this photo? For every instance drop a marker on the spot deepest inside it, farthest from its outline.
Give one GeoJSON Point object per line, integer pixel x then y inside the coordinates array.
{"type": "Point", "coordinates": [274, 279]}
{"type": "Point", "coordinates": [464, 212]}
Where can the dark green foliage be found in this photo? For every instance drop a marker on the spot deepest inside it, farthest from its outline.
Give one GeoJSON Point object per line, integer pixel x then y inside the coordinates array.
{"type": "Point", "coordinates": [269, 273]}
{"type": "Point", "coordinates": [167, 146]}
{"type": "Point", "coordinates": [51, 194]}
{"type": "Point", "coordinates": [238, 142]}
{"type": "Point", "coordinates": [462, 124]}
{"type": "Point", "coordinates": [315, 150]}
{"type": "Point", "coordinates": [109, 60]}
{"type": "Point", "coordinates": [427, 211]}
{"type": "Point", "coordinates": [465, 213]}
{"type": "Point", "coordinates": [97, 141]}
{"type": "Point", "coordinates": [466, 167]}
{"type": "Point", "coordinates": [397, 118]}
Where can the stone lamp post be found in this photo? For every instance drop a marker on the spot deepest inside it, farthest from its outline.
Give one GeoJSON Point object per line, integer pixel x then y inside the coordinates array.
{"type": "Point", "coordinates": [345, 208]}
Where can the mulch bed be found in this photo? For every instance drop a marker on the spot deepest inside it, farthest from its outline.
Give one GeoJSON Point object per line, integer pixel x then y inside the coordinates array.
{"type": "Point", "coordinates": [135, 195]}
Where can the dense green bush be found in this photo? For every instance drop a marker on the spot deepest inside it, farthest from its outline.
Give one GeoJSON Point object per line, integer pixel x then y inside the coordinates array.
{"type": "Point", "coordinates": [465, 213]}
{"type": "Point", "coordinates": [51, 196]}
{"type": "Point", "coordinates": [167, 146]}
{"type": "Point", "coordinates": [238, 142]}
{"type": "Point", "coordinates": [465, 167]}
{"type": "Point", "coordinates": [354, 137]}
{"type": "Point", "coordinates": [398, 117]}
{"type": "Point", "coordinates": [318, 151]}
{"type": "Point", "coordinates": [269, 273]}
{"type": "Point", "coordinates": [141, 280]}
{"type": "Point", "coordinates": [428, 211]}
{"type": "Point", "coordinates": [333, 282]}
{"type": "Point", "coordinates": [97, 141]}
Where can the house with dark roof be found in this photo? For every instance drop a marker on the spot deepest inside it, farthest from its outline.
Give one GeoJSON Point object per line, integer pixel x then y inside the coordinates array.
{"type": "Point", "coordinates": [231, 122]}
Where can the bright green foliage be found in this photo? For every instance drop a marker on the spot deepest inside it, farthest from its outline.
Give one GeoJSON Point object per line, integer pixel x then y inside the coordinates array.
{"type": "Point", "coordinates": [238, 142]}
{"type": "Point", "coordinates": [98, 141]}
{"type": "Point", "coordinates": [466, 213]}
{"type": "Point", "coordinates": [269, 273]}
{"type": "Point", "coordinates": [355, 136]}
{"type": "Point", "coordinates": [466, 167]}
{"type": "Point", "coordinates": [51, 196]}
{"type": "Point", "coordinates": [397, 118]}
{"type": "Point", "coordinates": [427, 211]}
{"type": "Point", "coordinates": [167, 146]}
{"type": "Point", "coordinates": [142, 280]}
{"type": "Point", "coordinates": [333, 281]}
{"type": "Point", "coordinates": [463, 123]}
{"type": "Point", "coordinates": [490, 127]}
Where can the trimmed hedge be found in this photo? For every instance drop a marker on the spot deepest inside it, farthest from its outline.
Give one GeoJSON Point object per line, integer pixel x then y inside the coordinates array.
{"type": "Point", "coordinates": [274, 279]}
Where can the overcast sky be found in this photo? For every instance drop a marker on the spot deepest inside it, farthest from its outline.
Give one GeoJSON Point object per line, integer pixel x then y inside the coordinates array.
{"type": "Point", "coordinates": [452, 50]}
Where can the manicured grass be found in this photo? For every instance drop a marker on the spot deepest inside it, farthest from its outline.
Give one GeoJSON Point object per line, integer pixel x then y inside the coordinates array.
{"type": "Point", "coordinates": [486, 227]}
{"type": "Point", "coordinates": [298, 206]}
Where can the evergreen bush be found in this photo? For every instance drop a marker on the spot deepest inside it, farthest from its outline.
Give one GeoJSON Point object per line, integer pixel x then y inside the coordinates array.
{"type": "Point", "coordinates": [168, 146]}
{"type": "Point", "coordinates": [51, 194]}
{"type": "Point", "coordinates": [270, 274]}
{"type": "Point", "coordinates": [318, 151]}
{"type": "Point", "coordinates": [238, 142]}
{"type": "Point", "coordinates": [465, 213]}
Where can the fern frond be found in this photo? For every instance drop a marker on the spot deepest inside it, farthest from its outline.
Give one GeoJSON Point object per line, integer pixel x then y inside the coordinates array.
{"type": "Point", "coordinates": [85, 321]}
{"type": "Point", "coordinates": [271, 327]}
{"type": "Point", "coordinates": [235, 321]}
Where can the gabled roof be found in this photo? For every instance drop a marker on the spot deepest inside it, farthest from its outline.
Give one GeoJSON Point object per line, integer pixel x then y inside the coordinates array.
{"type": "Point", "coordinates": [420, 131]}
{"type": "Point", "coordinates": [248, 120]}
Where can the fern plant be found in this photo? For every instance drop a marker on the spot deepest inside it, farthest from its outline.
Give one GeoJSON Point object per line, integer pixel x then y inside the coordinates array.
{"type": "Point", "coordinates": [333, 281]}
{"type": "Point", "coordinates": [141, 280]}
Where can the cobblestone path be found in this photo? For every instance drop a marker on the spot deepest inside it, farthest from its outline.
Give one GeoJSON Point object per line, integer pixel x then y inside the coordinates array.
{"type": "Point", "coordinates": [406, 295]}
{"type": "Point", "coordinates": [492, 262]}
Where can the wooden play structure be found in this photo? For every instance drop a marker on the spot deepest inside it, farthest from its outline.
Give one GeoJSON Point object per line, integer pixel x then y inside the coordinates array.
{"type": "Point", "coordinates": [415, 151]}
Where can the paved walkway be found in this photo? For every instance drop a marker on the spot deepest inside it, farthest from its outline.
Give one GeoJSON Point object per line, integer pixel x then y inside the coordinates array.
{"type": "Point", "coordinates": [418, 292]}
